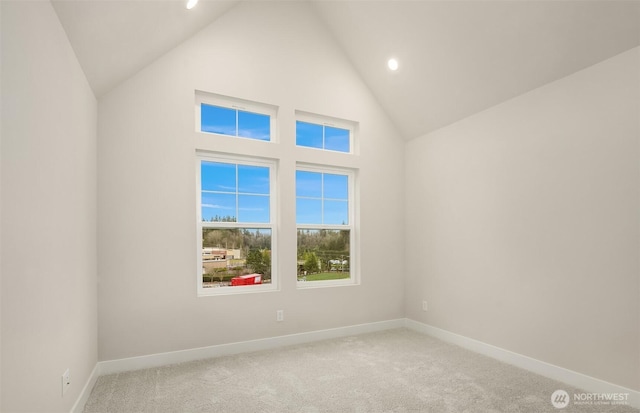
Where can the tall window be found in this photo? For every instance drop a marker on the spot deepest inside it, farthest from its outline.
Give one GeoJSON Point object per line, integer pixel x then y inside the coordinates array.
{"type": "Point", "coordinates": [236, 225]}
{"type": "Point", "coordinates": [237, 203]}
{"type": "Point", "coordinates": [325, 225]}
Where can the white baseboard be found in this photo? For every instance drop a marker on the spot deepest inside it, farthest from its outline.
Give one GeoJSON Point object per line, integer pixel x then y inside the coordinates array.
{"type": "Point", "coordinates": [173, 357]}
{"type": "Point", "coordinates": [78, 407]}
{"type": "Point", "coordinates": [162, 359]}
{"type": "Point", "coordinates": [570, 377]}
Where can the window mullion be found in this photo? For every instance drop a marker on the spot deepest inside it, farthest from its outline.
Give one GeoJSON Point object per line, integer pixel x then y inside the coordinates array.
{"type": "Point", "coordinates": [237, 197]}
{"type": "Point", "coordinates": [324, 134]}
{"type": "Point", "coordinates": [245, 236]}
{"type": "Point", "coordinates": [322, 197]}
{"type": "Point", "coordinates": [237, 124]}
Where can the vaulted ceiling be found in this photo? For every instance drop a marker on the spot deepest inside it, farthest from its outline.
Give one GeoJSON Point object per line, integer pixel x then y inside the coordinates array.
{"type": "Point", "coordinates": [456, 57]}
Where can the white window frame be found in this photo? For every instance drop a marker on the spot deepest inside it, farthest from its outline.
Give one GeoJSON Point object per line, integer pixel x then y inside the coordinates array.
{"type": "Point", "coordinates": [331, 122]}
{"type": "Point", "coordinates": [272, 225]}
{"type": "Point", "coordinates": [354, 272]}
{"type": "Point", "coordinates": [235, 104]}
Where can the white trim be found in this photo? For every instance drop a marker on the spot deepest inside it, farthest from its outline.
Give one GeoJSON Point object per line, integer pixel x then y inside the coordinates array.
{"type": "Point", "coordinates": [173, 357]}
{"type": "Point", "coordinates": [228, 102]}
{"type": "Point", "coordinates": [341, 282]}
{"type": "Point", "coordinates": [78, 407]}
{"type": "Point", "coordinates": [272, 164]}
{"type": "Point", "coordinates": [352, 226]}
{"type": "Point", "coordinates": [330, 121]}
{"type": "Point", "coordinates": [570, 377]}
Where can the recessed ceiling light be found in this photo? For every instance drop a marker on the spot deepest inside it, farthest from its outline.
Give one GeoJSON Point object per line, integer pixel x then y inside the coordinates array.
{"type": "Point", "coordinates": [393, 64]}
{"type": "Point", "coordinates": [191, 4]}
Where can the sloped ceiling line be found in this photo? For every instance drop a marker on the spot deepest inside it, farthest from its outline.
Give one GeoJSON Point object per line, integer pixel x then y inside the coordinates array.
{"type": "Point", "coordinates": [457, 58]}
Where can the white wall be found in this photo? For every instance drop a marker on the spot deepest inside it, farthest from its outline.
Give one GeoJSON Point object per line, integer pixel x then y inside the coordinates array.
{"type": "Point", "coordinates": [276, 53]}
{"type": "Point", "coordinates": [523, 228]}
{"type": "Point", "coordinates": [48, 159]}
{"type": "Point", "coordinates": [0, 212]}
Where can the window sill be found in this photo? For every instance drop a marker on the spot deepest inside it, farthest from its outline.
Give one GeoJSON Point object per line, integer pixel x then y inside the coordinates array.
{"type": "Point", "coordinates": [304, 285]}
{"type": "Point", "coordinates": [249, 289]}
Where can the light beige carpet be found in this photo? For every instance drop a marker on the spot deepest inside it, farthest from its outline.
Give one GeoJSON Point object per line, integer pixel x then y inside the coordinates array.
{"type": "Point", "coordinates": [390, 371]}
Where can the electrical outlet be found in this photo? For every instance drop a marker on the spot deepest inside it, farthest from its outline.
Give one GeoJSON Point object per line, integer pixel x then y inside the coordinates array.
{"type": "Point", "coordinates": [66, 381]}
{"type": "Point", "coordinates": [425, 306]}
{"type": "Point", "coordinates": [280, 315]}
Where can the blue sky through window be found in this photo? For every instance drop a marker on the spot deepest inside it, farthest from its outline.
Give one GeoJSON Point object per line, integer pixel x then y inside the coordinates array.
{"type": "Point", "coordinates": [308, 184]}
{"type": "Point", "coordinates": [233, 122]}
{"type": "Point", "coordinates": [216, 119]}
{"type": "Point", "coordinates": [336, 139]}
{"type": "Point", "coordinates": [254, 126]}
{"type": "Point", "coordinates": [317, 136]}
{"type": "Point", "coordinates": [235, 192]}
{"type": "Point", "coordinates": [309, 134]}
{"type": "Point", "coordinates": [322, 198]}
